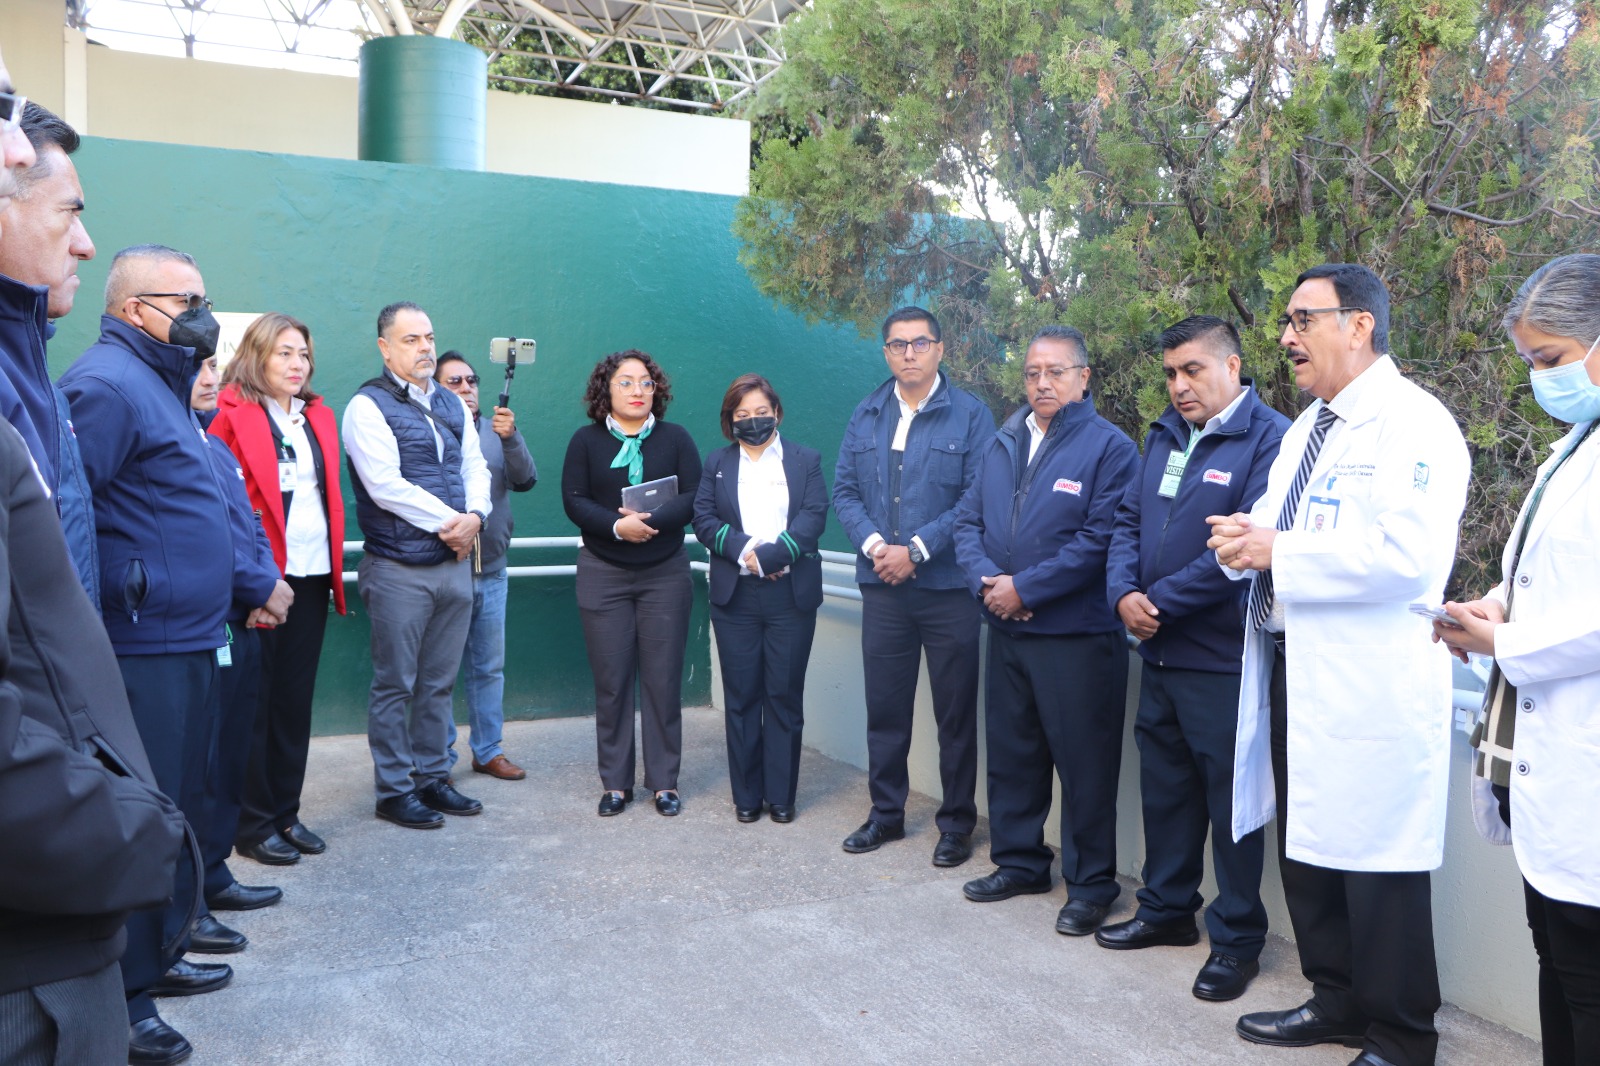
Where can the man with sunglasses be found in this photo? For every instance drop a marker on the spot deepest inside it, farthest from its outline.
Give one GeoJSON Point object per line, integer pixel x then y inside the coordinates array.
{"type": "Point", "coordinates": [511, 469]}
{"type": "Point", "coordinates": [166, 567]}
{"type": "Point", "coordinates": [911, 449]}
{"type": "Point", "coordinates": [1344, 701]}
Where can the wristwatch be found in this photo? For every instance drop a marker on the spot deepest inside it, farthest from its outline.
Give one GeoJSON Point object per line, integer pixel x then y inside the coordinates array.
{"type": "Point", "coordinates": [483, 519]}
{"type": "Point", "coordinates": [916, 554]}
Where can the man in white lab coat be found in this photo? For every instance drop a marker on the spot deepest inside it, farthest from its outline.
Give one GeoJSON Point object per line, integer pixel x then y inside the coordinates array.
{"type": "Point", "coordinates": [1344, 703]}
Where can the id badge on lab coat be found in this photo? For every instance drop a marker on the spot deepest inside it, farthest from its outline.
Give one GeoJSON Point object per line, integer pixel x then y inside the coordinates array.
{"type": "Point", "coordinates": [1322, 514]}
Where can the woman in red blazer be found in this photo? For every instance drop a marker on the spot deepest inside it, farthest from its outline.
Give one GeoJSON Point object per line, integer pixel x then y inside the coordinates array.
{"type": "Point", "coordinates": [287, 444]}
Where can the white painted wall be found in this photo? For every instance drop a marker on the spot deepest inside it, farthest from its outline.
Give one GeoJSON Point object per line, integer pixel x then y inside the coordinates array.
{"type": "Point", "coordinates": [133, 96]}
{"type": "Point", "coordinates": [1486, 960]}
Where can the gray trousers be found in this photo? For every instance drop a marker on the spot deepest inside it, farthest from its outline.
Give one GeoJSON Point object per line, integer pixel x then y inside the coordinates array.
{"type": "Point", "coordinates": [635, 624]}
{"type": "Point", "coordinates": [419, 617]}
{"type": "Point", "coordinates": [81, 1021]}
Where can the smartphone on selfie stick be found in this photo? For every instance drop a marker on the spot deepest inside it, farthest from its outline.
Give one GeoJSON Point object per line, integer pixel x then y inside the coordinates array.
{"type": "Point", "coordinates": [508, 351]}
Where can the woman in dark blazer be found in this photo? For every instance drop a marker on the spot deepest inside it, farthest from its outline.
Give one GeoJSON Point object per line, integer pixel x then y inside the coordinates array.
{"type": "Point", "coordinates": [761, 507]}
{"type": "Point", "coordinates": [634, 590]}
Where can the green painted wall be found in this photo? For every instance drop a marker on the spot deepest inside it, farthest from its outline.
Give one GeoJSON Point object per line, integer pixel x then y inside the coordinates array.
{"type": "Point", "coordinates": [585, 268]}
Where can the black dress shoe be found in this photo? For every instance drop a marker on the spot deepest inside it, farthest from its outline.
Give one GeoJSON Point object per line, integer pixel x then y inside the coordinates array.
{"type": "Point", "coordinates": [747, 814]}
{"type": "Point", "coordinates": [409, 811]}
{"type": "Point", "coordinates": [1298, 1027]}
{"type": "Point", "coordinates": [615, 802]}
{"type": "Point", "coordinates": [443, 797]}
{"type": "Point", "coordinates": [211, 937]}
{"type": "Point", "coordinates": [187, 978]}
{"type": "Point", "coordinates": [953, 849]}
{"type": "Point", "coordinates": [1370, 1058]}
{"type": "Point", "coordinates": [1224, 977]}
{"type": "Point", "coordinates": [237, 897]}
{"type": "Point", "coordinates": [152, 1042]}
{"type": "Point", "coordinates": [303, 840]}
{"type": "Point", "coordinates": [781, 812]}
{"type": "Point", "coordinates": [1003, 884]}
{"type": "Point", "coordinates": [1081, 917]}
{"type": "Point", "coordinates": [273, 851]}
{"type": "Point", "coordinates": [668, 803]}
{"type": "Point", "coordinates": [1138, 933]}
{"type": "Point", "coordinates": [872, 836]}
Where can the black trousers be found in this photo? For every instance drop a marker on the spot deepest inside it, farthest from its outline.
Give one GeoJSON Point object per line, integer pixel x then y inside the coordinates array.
{"type": "Point", "coordinates": [635, 626]}
{"type": "Point", "coordinates": [1567, 938]}
{"type": "Point", "coordinates": [1365, 939]}
{"type": "Point", "coordinates": [229, 757]}
{"type": "Point", "coordinates": [1055, 706]}
{"type": "Point", "coordinates": [897, 623]}
{"type": "Point", "coordinates": [763, 646]}
{"type": "Point", "coordinates": [175, 700]}
{"type": "Point", "coordinates": [281, 738]}
{"type": "Point", "coordinates": [79, 1021]}
{"type": "Point", "coordinates": [1185, 728]}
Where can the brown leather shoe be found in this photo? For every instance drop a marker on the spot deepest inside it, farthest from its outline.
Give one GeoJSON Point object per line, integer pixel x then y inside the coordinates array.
{"type": "Point", "coordinates": [500, 767]}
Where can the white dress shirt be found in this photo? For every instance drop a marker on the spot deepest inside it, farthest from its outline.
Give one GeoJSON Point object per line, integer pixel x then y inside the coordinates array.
{"type": "Point", "coordinates": [869, 547]}
{"type": "Point", "coordinates": [373, 452]}
{"type": "Point", "coordinates": [763, 497]}
{"type": "Point", "coordinates": [305, 527]}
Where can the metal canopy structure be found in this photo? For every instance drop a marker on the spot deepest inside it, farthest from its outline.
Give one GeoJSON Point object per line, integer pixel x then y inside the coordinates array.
{"type": "Point", "coordinates": [693, 54]}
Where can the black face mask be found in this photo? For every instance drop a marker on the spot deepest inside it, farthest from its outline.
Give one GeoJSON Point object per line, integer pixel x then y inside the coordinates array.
{"type": "Point", "coordinates": [196, 328]}
{"type": "Point", "coordinates": [754, 431]}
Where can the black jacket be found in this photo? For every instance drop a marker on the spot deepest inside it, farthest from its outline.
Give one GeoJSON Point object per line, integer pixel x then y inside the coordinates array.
{"type": "Point", "coordinates": [84, 834]}
{"type": "Point", "coordinates": [720, 527]}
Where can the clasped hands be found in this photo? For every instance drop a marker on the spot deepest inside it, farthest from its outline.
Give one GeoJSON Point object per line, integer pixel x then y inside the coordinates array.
{"type": "Point", "coordinates": [459, 531]}
{"type": "Point", "coordinates": [275, 611]}
{"type": "Point", "coordinates": [1001, 599]}
{"type": "Point", "coordinates": [1240, 544]}
{"type": "Point", "coordinates": [892, 563]}
{"type": "Point", "coordinates": [632, 528]}
{"type": "Point", "coordinates": [1474, 628]}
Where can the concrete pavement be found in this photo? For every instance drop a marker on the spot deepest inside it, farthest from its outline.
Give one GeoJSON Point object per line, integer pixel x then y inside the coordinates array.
{"type": "Point", "coordinates": [539, 933]}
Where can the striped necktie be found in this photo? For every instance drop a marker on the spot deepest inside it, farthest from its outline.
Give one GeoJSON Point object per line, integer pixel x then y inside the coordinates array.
{"type": "Point", "coordinates": [1261, 591]}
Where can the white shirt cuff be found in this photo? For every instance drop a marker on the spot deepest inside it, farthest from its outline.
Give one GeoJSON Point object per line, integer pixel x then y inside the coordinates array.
{"type": "Point", "coordinates": [871, 545]}
{"type": "Point", "coordinates": [921, 547]}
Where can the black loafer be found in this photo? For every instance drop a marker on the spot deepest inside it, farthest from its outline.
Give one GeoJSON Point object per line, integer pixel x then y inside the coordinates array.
{"type": "Point", "coordinates": [443, 797]}
{"type": "Point", "coordinates": [1003, 884]}
{"type": "Point", "coordinates": [1137, 933]}
{"type": "Point", "coordinates": [781, 812]}
{"type": "Point", "coordinates": [237, 897]}
{"type": "Point", "coordinates": [668, 803]}
{"type": "Point", "coordinates": [872, 836]}
{"type": "Point", "coordinates": [1224, 977]}
{"type": "Point", "coordinates": [303, 840]}
{"type": "Point", "coordinates": [407, 810]}
{"type": "Point", "coordinates": [273, 851]}
{"type": "Point", "coordinates": [615, 802]}
{"type": "Point", "coordinates": [187, 978]}
{"type": "Point", "coordinates": [1370, 1058]}
{"type": "Point", "coordinates": [211, 937]}
{"type": "Point", "coordinates": [152, 1042]}
{"type": "Point", "coordinates": [747, 814]}
{"type": "Point", "coordinates": [953, 849]}
{"type": "Point", "coordinates": [1298, 1027]}
{"type": "Point", "coordinates": [1081, 917]}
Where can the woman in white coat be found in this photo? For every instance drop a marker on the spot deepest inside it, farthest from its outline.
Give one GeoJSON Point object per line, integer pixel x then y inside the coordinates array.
{"type": "Point", "coordinates": [1542, 625]}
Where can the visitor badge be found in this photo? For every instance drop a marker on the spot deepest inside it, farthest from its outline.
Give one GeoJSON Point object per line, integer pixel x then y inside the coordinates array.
{"type": "Point", "coordinates": [1322, 514]}
{"type": "Point", "coordinates": [225, 655]}
{"type": "Point", "coordinates": [1174, 473]}
{"type": "Point", "coordinates": [288, 476]}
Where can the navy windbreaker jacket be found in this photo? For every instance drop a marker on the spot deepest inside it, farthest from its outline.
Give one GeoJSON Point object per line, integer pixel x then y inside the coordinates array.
{"type": "Point", "coordinates": [1159, 545]}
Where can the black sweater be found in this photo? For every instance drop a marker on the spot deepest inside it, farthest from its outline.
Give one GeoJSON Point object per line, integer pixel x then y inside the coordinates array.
{"type": "Point", "coordinates": [591, 491]}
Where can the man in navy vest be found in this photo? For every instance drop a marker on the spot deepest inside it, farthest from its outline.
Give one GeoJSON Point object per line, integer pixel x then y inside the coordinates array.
{"type": "Point", "coordinates": [422, 496]}
{"type": "Point", "coordinates": [1208, 453]}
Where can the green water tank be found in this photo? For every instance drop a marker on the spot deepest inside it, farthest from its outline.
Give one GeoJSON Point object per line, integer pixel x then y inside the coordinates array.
{"type": "Point", "coordinates": [423, 100]}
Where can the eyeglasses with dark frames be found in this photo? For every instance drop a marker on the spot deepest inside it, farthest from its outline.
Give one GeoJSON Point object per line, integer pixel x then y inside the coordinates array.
{"type": "Point", "coordinates": [920, 345]}
{"type": "Point", "coordinates": [455, 379]}
{"type": "Point", "coordinates": [1301, 319]}
{"type": "Point", "coordinates": [194, 300]}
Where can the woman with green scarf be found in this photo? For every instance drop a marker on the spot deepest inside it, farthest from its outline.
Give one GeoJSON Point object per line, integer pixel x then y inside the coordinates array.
{"type": "Point", "coordinates": [634, 590]}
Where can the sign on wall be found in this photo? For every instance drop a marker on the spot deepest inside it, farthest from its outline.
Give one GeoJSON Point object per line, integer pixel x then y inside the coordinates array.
{"type": "Point", "coordinates": [233, 323]}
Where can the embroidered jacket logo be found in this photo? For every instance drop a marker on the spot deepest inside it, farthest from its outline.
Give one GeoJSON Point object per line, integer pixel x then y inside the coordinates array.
{"type": "Point", "coordinates": [1218, 477]}
{"type": "Point", "coordinates": [1072, 487]}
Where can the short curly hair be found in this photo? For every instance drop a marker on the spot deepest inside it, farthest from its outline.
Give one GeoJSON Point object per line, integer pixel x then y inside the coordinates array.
{"type": "Point", "coordinates": [597, 394]}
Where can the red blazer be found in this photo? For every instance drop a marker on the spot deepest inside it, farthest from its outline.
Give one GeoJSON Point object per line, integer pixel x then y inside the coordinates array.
{"type": "Point", "coordinates": [243, 427]}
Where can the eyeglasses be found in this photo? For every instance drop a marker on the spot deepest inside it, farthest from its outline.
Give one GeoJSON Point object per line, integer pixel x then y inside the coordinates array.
{"type": "Point", "coordinates": [920, 345]}
{"type": "Point", "coordinates": [194, 300]}
{"type": "Point", "coordinates": [11, 105]}
{"type": "Point", "coordinates": [455, 379]}
{"type": "Point", "coordinates": [1056, 373]}
{"type": "Point", "coordinates": [1301, 319]}
{"type": "Point", "coordinates": [627, 384]}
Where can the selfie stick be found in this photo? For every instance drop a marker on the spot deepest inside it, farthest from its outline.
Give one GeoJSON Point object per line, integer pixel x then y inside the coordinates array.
{"type": "Point", "coordinates": [511, 370]}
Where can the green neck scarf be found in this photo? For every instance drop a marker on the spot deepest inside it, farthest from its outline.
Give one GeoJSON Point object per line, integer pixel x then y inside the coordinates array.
{"type": "Point", "coordinates": [630, 456]}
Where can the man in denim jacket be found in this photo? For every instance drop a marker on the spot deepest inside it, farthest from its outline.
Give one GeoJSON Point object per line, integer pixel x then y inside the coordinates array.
{"type": "Point", "coordinates": [909, 453]}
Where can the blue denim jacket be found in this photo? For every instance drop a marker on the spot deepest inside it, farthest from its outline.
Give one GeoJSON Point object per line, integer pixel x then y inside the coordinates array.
{"type": "Point", "coordinates": [944, 446]}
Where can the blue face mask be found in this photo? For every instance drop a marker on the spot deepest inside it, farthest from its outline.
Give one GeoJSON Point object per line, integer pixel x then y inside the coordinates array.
{"type": "Point", "coordinates": [1566, 393]}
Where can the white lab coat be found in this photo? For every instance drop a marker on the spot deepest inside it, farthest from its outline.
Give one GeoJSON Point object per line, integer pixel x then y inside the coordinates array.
{"type": "Point", "coordinates": [1368, 691]}
{"type": "Point", "coordinates": [1552, 654]}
